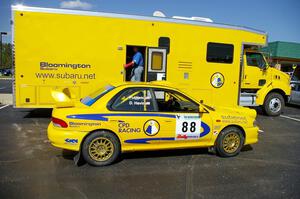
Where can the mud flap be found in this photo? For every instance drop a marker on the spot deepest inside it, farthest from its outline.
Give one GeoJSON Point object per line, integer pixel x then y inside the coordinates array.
{"type": "Point", "coordinates": [78, 160]}
{"type": "Point", "coordinates": [212, 150]}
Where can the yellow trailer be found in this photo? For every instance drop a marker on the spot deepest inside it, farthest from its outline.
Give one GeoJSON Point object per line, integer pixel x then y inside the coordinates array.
{"type": "Point", "coordinates": [78, 50]}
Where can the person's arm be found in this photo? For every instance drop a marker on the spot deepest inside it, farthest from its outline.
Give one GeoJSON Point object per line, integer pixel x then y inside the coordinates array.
{"type": "Point", "coordinates": [130, 64]}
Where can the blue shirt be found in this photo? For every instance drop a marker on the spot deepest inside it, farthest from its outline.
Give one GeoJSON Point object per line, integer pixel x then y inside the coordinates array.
{"type": "Point", "coordinates": [138, 59]}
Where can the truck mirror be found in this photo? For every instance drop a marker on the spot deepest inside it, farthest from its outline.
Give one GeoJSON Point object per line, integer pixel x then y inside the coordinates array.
{"type": "Point", "coordinates": [264, 67]}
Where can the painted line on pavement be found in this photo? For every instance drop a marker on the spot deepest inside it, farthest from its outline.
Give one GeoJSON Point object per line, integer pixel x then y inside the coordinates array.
{"type": "Point", "coordinates": [291, 118]}
{"type": "Point", "coordinates": [2, 107]}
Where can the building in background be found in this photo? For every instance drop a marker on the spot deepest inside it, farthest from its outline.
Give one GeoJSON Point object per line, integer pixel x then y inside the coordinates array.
{"type": "Point", "coordinates": [283, 55]}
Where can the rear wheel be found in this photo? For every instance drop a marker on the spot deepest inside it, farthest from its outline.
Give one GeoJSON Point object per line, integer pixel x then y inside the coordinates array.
{"type": "Point", "coordinates": [230, 142]}
{"type": "Point", "coordinates": [101, 148]}
{"type": "Point", "coordinates": [274, 104]}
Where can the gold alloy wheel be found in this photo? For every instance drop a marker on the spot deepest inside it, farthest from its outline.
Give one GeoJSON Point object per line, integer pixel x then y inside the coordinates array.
{"type": "Point", "coordinates": [231, 142]}
{"type": "Point", "coordinates": [101, 149]}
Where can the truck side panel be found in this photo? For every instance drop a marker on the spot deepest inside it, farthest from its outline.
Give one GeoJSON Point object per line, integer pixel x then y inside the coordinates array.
{"type": "Point", "coordinates": [80, 52]}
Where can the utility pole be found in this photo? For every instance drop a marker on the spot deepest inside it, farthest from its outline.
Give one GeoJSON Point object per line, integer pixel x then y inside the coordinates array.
{"type": "Point", "coordinates": [2, 33]}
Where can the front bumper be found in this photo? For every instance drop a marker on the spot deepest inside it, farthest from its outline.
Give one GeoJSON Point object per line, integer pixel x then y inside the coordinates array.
{"type": "Point", "coordinates": [251, 135]}
{"type": "Point", "coordinates": [65, 139]}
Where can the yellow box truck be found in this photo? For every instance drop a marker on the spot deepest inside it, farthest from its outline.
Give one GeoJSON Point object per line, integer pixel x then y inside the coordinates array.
{"type": "Point", "coordinates": [77, 50]}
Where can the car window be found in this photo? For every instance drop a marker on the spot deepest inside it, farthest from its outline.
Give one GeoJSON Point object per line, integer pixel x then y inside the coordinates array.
{"type": "Point", "coordinates": [134, 99]}
{"type": "Point", "coordinates": [93, 97]}
{"type": "Point", "coordinates": [171, 101]}
{"type": "Point", "coordinates": [255, 59]}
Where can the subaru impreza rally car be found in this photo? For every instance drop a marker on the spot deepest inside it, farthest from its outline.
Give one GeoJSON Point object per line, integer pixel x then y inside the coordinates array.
{"type": "Point", "coordinates": [146, 116]}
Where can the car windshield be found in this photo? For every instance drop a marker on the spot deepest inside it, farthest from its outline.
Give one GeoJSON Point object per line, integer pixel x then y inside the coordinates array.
{"type": "Point", "coordinates": [92, 98]}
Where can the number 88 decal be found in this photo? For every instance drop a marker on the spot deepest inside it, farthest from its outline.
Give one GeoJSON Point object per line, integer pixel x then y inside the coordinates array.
{"type": "Point", "coordinates": [186, 127]}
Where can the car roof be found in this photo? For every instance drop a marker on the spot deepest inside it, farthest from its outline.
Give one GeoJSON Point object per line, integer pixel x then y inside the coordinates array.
{"type": "Point", "coordinates": [164, 84]}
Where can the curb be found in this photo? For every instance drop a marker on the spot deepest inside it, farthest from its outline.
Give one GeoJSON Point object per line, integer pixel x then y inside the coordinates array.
{"type": "Point", "coordinates": [6, 98]}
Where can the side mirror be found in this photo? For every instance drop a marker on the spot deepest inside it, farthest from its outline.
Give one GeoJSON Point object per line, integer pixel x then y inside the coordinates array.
{"type": "Point", "coordinates": [264, 68]}
{"type": "Point", "coordinates": [201, 109]}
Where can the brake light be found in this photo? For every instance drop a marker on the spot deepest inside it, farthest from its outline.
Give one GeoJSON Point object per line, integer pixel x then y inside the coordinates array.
{"type": "Point", "coordinates": [59, 123]}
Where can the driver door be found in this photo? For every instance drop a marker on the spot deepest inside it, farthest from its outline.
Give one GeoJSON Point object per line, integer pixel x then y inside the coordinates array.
{"type": "Point", "coordinates": [188, 127]}
{"type": "Point", "coordinates": [255, 74]}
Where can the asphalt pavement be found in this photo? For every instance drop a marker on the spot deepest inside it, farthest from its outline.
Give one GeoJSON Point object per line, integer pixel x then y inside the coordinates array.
{"type": "Point", "coordinates": [31, 168]}
{"type": "Point", "coordinates": [5, 86]}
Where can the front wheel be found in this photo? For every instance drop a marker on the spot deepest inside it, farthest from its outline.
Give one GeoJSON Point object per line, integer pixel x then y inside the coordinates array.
{"type": "Point", "coordinates": [101, 148]}
{"type": "Point", "coordinates": [230, 142]}
{"type": "Point", "coordinates": [274, 104]}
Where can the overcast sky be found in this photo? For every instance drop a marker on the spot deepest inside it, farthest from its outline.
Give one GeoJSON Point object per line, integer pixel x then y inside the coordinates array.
{"type": "Point", "coordinates": [280, 18]}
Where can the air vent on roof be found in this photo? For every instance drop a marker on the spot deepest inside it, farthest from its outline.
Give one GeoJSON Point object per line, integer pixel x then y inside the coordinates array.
{"type": "Point", "coordinates": [158, 13]}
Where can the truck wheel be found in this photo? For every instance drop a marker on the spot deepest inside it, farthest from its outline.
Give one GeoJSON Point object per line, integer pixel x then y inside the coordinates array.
{"type": "Point", "coordinates": [230, 142]}
{"type": "Point", "coordinates": [274, 104]}
{"type": "Point", "coordinates": [101, 148]}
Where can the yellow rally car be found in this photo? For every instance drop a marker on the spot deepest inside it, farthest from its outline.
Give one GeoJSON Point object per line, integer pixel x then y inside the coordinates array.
{"type": "Point", "coordinates": [146, 116]}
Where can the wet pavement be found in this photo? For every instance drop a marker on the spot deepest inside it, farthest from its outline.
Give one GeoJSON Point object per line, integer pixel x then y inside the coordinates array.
{"type": "Point", "coordinates": [31, 168]}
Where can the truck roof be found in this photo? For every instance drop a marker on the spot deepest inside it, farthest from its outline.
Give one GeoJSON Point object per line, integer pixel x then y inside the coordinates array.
{"type": "Point", "coordinates": [136, 17]}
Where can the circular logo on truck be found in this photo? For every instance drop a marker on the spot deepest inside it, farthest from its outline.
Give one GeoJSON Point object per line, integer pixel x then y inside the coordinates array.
{"type": "Point", "coordinates": [217, 80]}
{"type": "Point", "coordinates": [151, 127]}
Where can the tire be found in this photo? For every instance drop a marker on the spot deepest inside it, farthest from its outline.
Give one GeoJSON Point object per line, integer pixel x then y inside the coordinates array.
{"type": "Point", "coordinates": [274, 104]}
{"type": "Point", "coordinates": [101, 148]}
{"type": "Point", "coordinates": [223, 144]}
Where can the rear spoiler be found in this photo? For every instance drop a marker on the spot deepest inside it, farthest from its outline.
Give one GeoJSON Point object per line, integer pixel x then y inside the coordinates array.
{"type": "Point", "coordinates": [62, 97]}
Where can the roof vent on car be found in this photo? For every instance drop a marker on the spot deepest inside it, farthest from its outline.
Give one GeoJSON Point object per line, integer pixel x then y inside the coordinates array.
{"type": "Point", "coordinates": [158, 13]}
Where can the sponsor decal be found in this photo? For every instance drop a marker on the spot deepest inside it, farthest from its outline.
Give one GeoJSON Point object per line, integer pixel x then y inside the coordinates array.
{"type": "Point", "coordinates": [217, 127]}
{"type": "Point", "coordinates": [65, 76]}
{"type": "Point", "coordinates": [215, 132]}
{"type": "Point", "coordinates": [185, 136]}
{"type": "Point", "coordinates": [125, 127]}
{"type": "Point", "coordinates": [77, 124]}
{"type": "Point", "coordinates": [188, 126]}
{"type": "Point", "coordinates": [234, 119]}
{"type": "Point", "coordinates": [51, 71]}
{"type": "Point", "coordinates": [71, 141]}
{"type": "Point", "coordinates": [55, 66]}
{"type": "Point", "coordinates": [217, 80]}
{"type": "Point", "coordinates": [151, 127]}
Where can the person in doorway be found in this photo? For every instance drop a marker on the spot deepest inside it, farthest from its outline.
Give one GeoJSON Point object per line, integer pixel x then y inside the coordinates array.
{"type": "Point", "coordinates": [137, 65]}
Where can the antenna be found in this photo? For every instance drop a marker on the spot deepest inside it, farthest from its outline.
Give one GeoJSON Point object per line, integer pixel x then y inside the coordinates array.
{"type": "Point", "coordinates": [158, 13]}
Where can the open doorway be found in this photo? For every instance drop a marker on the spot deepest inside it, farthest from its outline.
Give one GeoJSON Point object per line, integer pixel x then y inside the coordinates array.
{"type": "Point", "coordinates": [129, 55]}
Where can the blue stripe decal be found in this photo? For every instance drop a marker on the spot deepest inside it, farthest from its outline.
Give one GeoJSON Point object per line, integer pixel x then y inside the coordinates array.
{"type": "Point", "coordinates": [145, 140]}
{"type": "Point", "coordinates": [205, 128]}
{"type": "Point", "coordinates": [102, 117]}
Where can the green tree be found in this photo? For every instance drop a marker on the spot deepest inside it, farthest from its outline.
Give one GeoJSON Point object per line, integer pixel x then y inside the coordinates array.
{"type": "Point", "coordinates": [6, 55]}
